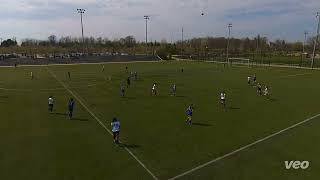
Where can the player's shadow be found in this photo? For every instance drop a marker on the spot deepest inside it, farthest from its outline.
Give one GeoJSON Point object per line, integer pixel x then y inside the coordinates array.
{"type": "Point", "coordinates": [202, 124]}
{"type": "Point", "coordinates": [233, 108]}
{"type": "Point", "coordinates": [4, 97]}
{"type": "Point", "coordinates": [129, 146]}
{"type": "Point", "coordinates": [272, 99]}
{"type": "Point", "coordinates": [61, 114]}
{"type": "Point", "coordinates": [180, 96]}
{"type": "Point", "coordinates": [80, 119]}
{"type": "Point", "coordinates": [130, 98]}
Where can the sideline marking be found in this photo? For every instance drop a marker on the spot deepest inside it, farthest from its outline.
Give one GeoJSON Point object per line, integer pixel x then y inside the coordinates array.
{"type": "Point", "coordinates": [243, 148]}
{"type": "Point", "coordinates": [75, 64]}
{"type": "Point", "coordinates": [294, 75]}
{"type": "Point", "coordinates": [99, 121]}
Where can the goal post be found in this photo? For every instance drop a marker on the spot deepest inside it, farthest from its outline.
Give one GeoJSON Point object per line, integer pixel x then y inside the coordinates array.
{"type": "Point", "coordinates": [241, 61]}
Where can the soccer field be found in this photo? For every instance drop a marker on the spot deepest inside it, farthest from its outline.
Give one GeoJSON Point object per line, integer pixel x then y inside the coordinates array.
{"type": "Point", "coordinates": [250, 139]}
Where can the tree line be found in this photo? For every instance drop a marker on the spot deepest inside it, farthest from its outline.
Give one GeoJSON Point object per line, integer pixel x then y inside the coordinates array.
{"type": "Point", "coordinates": [129, 44]}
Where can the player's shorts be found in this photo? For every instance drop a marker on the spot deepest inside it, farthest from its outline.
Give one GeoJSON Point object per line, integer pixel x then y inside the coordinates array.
{"type": "Point", "coordinates": [116, 133]}
{"type": "Point", "coordinates": [223, 100]}
{"type": "Point", "coordinates": [50, 107]}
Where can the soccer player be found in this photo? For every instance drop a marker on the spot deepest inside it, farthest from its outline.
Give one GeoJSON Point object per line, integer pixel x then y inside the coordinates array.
{"type": "Point", "coordinates": [115, 127]}
{"type": "Point", "coordinates": [31, 74]}
{"type": "Point", "coordinates": [136, 75]}
{"type": "Point", "coordinates": [50, 104]}
{"type": "Point", "coordinates": [128, 82]}
{"type": "Point", "coordinates": [174, 90]}
{"type": "Point", "coordinates": [189, 114]}
{"type": "Point", "coordinates": [249, 80]}
{"type": "Point", "coordinates": [122, 91]}
{"type": "Point", "coordinates": [259, 89]}
{"type": "Point", "coordinates": [70, 108]}
{"type": "Point", "coordinates": [254, 78]}
{"type": "Point", "coordinates": [223, 98]}
{"type": "Point", "coordinates": [69, 75]}
{"type": "Point", "coordinates": [182, 70]}
{"type": "Point", "coordinates": [102, 68]}
{"type": "Point", "coordinates": [154, 90]}
{"type": "Point", "coordinates": [266, 91]}
{"type": "Point", "coordinates": [126, 69]}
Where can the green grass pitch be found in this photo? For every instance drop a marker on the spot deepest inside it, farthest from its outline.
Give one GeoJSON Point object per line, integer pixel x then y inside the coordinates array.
{"type": "Point", "coordinates": [37, 145]}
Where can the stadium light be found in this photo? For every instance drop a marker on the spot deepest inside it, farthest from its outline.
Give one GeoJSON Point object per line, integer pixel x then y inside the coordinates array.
{"type": "Point", "coordinates": [305, 41]}
{"type": "Point", "coordinates": [146, 18]}
{"type": "Point", "coordinates": [229, 28]}
{"type": "Point", "coordinates": [316, 40]}
{"type": "Point", "coordinates": [81, 12]}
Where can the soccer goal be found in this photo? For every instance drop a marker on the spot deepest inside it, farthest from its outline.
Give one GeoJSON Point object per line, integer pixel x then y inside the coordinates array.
{"type": "Point", "coordinates": [241, 61]}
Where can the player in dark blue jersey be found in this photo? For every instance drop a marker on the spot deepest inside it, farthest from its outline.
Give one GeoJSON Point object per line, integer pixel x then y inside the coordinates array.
{"type": "Point", "coordinates": [70, 108]}
{"type": "Point", "coordinates": [189, 113]}
{"type": "Point", "coordinates": [122, 91]}
{"type": "Point", "coordinates": [128, 82]}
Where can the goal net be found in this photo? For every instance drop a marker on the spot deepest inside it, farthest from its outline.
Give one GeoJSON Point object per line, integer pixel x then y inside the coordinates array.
{"type": "Point", "coordinates": [241, 61]}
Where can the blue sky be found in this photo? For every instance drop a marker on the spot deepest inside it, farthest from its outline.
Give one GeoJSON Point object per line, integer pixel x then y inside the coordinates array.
{"type": "Point", "coordinates": [285, 19]}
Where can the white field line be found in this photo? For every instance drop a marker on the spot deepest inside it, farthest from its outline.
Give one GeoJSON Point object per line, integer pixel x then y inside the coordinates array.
{"type": "Point", "coordinates": [294, 75]}
{"type": "Point", "coordinates": [75, 64]}
{"type": "Point", "coordinates": [246, 64]}
{"type": "Point", "coordinates": [45, 90]}
{"type": "Point", "coordinates": [266, 65]}
{"type": "Point", "coordinates": [18, 90]}
{"type": "Point", "coordinates": [99, 121]}
{"type": "Point", "coordinates": [243, 148]}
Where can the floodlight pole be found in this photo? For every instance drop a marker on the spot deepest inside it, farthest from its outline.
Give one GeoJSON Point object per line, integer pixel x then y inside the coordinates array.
{"type": "Point", "coordinates": [305, 41]}
{"type": "Point", "coordinates": [81, 12]}
{"type": "Point", "coordinates": [316, 40]}
{"type": "Point", "coordinates": [146, 18]}
{"type": "Point", "coordinates": [228, 43]}
{"type": "Point", "coordinates": [182, 42]}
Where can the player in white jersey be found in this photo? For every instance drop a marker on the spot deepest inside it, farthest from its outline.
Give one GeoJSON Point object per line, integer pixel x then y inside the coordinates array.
{"type": "Point", "coordinates": [154, 90]}
{"type": "Point", "coordinates": [31, 75]}
{"type": "Point", "coordinates": [266, 91]}
{"type": "Point", "coordinates": [223, 98]}
{"type": "Point", "coordinates": [115, 128]}
{"type": "Point", "coordinates": [102, 68]}
{"type": "Point", "coordinates": [50, 104]}
{"type": "Point", "coordinates": [174, 90]}
{"type": "Point", "coordinates": [249, 80]}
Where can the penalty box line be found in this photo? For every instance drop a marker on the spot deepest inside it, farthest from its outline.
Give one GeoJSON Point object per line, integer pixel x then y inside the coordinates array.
{"type": "Point", "coordinates": [99, 121]}
{"type": "Point", "coordinates": [243, 148]}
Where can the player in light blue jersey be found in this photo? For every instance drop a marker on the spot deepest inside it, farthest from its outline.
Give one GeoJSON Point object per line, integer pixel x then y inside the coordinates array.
{"type": "Point", "coordinates": [115, 128]}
